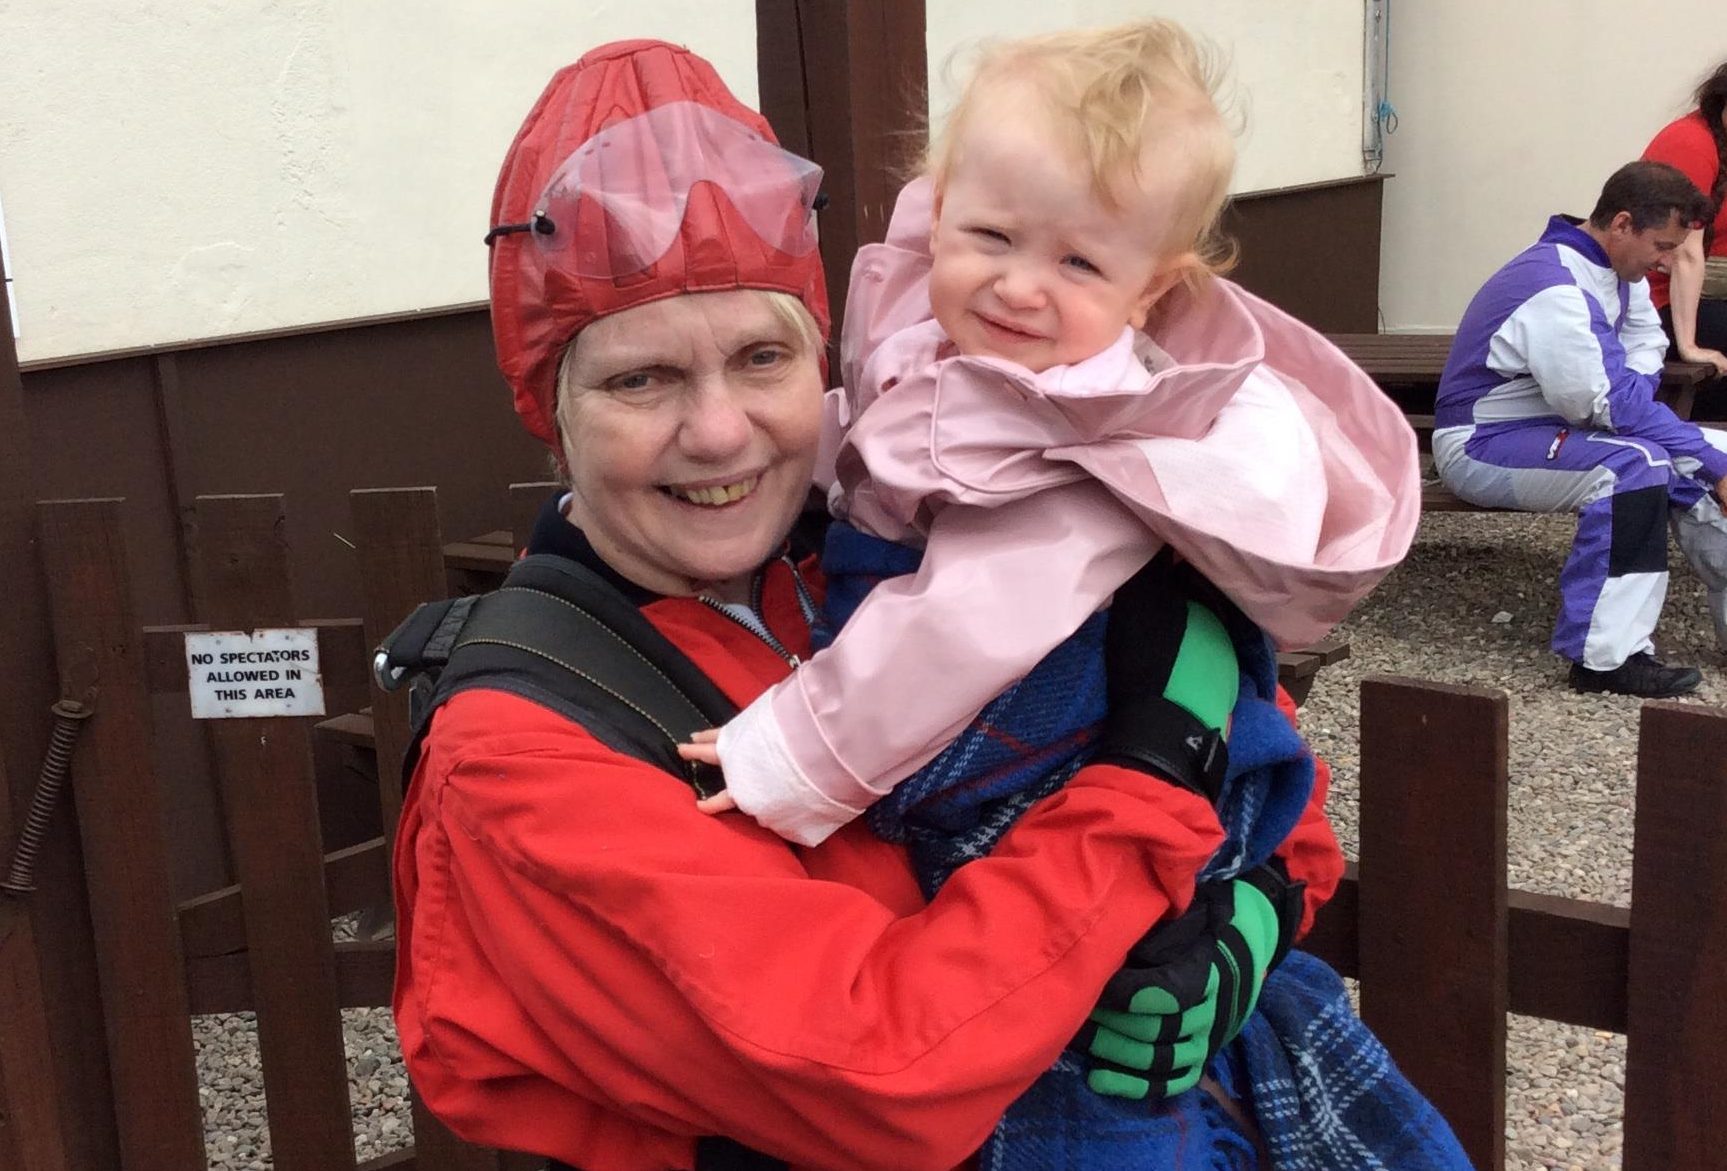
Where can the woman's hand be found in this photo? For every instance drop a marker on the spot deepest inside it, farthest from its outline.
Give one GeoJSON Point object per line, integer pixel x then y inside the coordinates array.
{"type": "Point", "coordinates": [1172, 681]}
{"type": "Point", "coordinates": [1188, 987]}
{"type": "Point", "coordinates": [1704, 354]}
{"type": "Point", "coordinates": [704, 748]}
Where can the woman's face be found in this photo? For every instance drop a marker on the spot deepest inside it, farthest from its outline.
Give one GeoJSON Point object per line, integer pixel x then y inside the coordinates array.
{"type": "Point", "coordinates": [690, 428]}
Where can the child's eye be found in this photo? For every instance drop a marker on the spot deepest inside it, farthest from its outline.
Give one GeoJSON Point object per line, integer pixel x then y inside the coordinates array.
{"type": "Point", "coordinates": [994, 235]}
{"type": "Point", "coordinates": [1083, 265]}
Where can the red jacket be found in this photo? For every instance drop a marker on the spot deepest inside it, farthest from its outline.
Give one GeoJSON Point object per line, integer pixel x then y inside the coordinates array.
{"type": "Point", "coordinates": [591, 969]}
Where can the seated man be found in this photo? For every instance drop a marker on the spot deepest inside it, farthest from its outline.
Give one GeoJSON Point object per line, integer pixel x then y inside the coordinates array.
{"type": "Point", "coordinates": [1547, 403]}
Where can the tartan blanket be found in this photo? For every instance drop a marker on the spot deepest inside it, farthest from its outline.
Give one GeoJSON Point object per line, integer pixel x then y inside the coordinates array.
{"type": "Point", "coordinates": [1325, 1092]}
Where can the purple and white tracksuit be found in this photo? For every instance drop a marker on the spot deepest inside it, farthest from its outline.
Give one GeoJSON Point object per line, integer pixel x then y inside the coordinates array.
{"type": "Point", "coordinates": [1547, 403]}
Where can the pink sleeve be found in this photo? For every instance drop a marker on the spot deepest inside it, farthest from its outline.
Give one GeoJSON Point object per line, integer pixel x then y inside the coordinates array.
{"type": "Point", "coordinates": [999, 588]}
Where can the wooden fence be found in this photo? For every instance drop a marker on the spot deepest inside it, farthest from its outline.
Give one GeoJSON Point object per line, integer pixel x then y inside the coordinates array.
{"type": "Point", "coordinates": [1442, 949]}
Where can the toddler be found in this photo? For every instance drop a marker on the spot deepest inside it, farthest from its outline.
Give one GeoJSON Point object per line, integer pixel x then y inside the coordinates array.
{"type": "Point", "coordinates": [1045, 383]}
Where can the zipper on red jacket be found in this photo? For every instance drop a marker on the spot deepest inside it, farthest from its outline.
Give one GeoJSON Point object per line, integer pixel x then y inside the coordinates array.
{"type": "Point", "coordinates": [757, 623]}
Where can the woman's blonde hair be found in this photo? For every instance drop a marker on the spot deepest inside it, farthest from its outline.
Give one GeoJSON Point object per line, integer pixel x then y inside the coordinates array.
{"type": "Point", "coordinates": [1112, 93]}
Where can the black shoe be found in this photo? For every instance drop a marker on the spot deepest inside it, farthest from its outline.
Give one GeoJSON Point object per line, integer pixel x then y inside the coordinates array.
{"type": "Point", "coordinates": [1642, 675]}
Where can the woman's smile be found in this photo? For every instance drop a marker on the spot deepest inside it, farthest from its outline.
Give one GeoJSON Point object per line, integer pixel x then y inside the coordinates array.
{"type": "Point", "coordinates": [712, 494]}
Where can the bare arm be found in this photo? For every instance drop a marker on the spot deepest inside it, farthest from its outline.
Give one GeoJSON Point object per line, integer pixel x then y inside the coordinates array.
{"type": "Point", "coordinates": [1685, 287]}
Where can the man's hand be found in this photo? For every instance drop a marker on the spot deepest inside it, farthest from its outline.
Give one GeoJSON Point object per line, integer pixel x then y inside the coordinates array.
{"type": "Point", "coordinates": [1704, 354]}
{"type": "Point", "coordinates": [1188, 987]}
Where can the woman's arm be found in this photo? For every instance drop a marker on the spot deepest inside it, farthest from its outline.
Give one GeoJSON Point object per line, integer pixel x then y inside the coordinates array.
{"type": "Point", "coordinates": [1685, 288]}
{"type": "Point", "coordinates": [584, 953]}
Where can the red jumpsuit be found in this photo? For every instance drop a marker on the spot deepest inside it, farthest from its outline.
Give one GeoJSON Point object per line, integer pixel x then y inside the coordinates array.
{"type": "Point", "coordinates": [589, 968]}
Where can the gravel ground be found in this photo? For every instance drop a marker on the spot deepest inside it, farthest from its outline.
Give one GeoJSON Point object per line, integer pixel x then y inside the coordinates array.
{"type": "Point", "coordinates": [1473, 604]}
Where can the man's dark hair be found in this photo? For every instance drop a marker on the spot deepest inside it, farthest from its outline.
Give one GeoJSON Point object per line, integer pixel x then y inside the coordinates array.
{"type": "Point", "coordinates": [1652, 193]}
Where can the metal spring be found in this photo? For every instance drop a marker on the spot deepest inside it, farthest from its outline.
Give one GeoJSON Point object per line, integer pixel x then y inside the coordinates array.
{"type": "Point", "coordinates": [69, 717]}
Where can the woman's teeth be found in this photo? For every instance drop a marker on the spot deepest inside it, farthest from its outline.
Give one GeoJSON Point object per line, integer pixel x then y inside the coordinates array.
{"type": "Point", "coordinates": [719, 494]}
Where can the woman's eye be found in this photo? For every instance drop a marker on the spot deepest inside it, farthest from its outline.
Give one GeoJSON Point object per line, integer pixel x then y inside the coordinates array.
{"type": "Point", "coordinates": [634, 380]}
{"type": "Point", "coordinates": [767, 356]}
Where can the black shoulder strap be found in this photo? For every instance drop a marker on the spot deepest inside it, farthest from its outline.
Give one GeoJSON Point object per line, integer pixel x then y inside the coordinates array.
{"type": "Point", "coordinates": [557, 634]}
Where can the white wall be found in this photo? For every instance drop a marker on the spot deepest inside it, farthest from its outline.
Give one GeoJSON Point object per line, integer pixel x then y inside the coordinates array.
{"type": "Point", "coordinates": [1510, 112]}
{"type": "Point", "coordinates": [1297, 68]}
{"type": "Point", "coordinates": [177, 169]}
{"type": "Point", "coordinates": [181, 169]}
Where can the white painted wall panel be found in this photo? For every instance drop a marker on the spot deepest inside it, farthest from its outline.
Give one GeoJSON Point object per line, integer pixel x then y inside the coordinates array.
{"type": "Point", "coordinates": [1297, 68]}
{"type": "Point", "coordinates": [1511, 112]}
{"type": "Point", "coordinates": [186, 169]}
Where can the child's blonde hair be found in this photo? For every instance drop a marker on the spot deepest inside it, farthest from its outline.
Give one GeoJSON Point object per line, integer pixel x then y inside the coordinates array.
{"type": "Point", "coordinates": [1112, 92]}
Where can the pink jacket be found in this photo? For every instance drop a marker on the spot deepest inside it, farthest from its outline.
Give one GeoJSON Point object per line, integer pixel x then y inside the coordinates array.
{"type": "Point", "coordinates": [1238, 435]}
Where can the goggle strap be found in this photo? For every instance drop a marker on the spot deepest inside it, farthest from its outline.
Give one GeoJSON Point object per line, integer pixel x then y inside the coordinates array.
{"type": "Point", "coordinates": [541, 224]}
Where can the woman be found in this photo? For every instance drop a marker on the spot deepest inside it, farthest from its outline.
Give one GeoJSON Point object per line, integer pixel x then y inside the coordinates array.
{"type": "Point", "coordinates": [590, 968]}
{"type": "Point", "coordinates": [1694, 315]}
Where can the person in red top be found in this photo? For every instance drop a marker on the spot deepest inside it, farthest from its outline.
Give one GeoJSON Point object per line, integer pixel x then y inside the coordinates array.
{"type": "Point", "coordinates": [588, 967]}
{"type": "Point", "coordinates": [1697, 145]}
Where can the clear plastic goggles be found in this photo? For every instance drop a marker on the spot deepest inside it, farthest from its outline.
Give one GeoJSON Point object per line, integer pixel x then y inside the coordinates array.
{"type": "Point", "coordinates": [616, 205]}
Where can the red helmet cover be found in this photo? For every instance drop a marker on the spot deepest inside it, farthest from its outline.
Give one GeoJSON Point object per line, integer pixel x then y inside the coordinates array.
{"type": "Point", "coordinates": [538, 307]}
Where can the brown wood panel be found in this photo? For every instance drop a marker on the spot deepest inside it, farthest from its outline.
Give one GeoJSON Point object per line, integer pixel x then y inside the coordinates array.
{"type": "Point", "coordinates": [526, 501]}
{"type": "Point", "coordinates": [401, 566]}
{"type": "Point", "coordinates": [363, 974]}
{"type": "Point", "coordinates": [416, 401]}
{"type": "Point", "coordinates": [1675, 1096]}
{"type": "Point", "coordinates": [152, 1064]}
{"type": "Point", "coordinates": [53, 1060]}
{"type": "Point", "coordinates": [1432, 921]}
{"type": "Point", "coordinates": [265, 770]}
{"type": "Point", "coordinates": [1567, 958]}
{"type": "Point", "coordinates": [845, 85]}
{"type": "Point", "coordinates": [354, 877]}
{"type": "Point", "coordinates": [1313, 251]}
{"type": "Point", "coordinates": [436, 1149]}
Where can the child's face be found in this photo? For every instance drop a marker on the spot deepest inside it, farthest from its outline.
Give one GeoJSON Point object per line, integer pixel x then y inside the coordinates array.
{"type": "Point", "coordinates": [1030, 265]}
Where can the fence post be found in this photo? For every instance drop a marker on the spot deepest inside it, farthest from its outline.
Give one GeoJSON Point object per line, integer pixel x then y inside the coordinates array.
{"type": "Point", "coordinates": [1432, 933]}
{"type": "Point", "coordinates": [265, 771]}
{"type": "Point", "coordinates": [1675, 1095]}
{"type": "Point", "coordinates": [54, 1108]}
{"type": "Point", "coordinates": [526, 500]}
{"type": "Point", "coordinates": [120, 817]}
{"type": "Point", "coordinates": [401, 565]}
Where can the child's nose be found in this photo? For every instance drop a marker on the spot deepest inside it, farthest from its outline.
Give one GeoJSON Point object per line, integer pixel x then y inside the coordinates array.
{"type": "Point", "coordinates": [1019, 288]}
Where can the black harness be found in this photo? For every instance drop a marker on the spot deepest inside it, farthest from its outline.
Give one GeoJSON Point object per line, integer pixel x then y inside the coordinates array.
{"type": "Point", "coordinates": [558, 634]}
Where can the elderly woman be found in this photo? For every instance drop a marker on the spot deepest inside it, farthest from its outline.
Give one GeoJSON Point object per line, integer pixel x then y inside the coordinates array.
{"type": "Point", "coordinates": [1692, 295]}
{"type": "Point", "coordinates": [590, 968]}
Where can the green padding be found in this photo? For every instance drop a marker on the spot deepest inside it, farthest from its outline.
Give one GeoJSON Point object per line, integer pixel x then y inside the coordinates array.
{"type": "Point", "coordinates": [1205, 677]}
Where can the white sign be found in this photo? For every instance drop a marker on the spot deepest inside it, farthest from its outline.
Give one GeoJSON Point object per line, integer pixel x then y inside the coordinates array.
{"type": "Point", "coordinates": [265, 673]}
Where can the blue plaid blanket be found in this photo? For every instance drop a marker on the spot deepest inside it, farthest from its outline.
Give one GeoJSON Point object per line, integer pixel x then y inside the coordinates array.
{"type": "Point", "coordinates": [1323, 1089]}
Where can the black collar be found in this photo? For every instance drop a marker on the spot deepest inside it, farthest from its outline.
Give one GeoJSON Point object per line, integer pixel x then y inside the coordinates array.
{"type": "Point", "coordinates": [553, 533]}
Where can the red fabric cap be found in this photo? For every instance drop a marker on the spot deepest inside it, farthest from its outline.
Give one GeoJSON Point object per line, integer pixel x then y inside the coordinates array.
{"type": "Point", "coordinates": [538, 307]}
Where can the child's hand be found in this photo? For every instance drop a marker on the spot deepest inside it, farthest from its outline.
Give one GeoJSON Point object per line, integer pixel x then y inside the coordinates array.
{"type": "Point", "coordinates": [703, 748]}
{"type": "Point", "coordinates": [720, 802]}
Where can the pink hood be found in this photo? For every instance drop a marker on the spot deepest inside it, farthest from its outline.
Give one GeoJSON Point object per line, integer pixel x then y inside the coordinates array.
{"type": "Point", "coordinates": [1239, 435]}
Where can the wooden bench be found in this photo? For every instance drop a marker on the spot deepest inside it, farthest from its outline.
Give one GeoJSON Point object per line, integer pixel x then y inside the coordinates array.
{"type": "Point", "coordinates": [1408, 365]}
